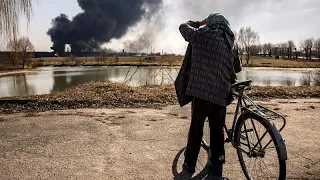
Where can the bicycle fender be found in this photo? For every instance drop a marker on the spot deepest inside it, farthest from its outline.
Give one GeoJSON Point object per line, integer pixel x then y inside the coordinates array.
{"type": "Point", "coordinates": [280, 141]}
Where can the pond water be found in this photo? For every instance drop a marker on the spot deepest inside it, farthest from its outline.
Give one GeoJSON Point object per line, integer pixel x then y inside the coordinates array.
{"type": "Point", "coordinates": [52, 79]}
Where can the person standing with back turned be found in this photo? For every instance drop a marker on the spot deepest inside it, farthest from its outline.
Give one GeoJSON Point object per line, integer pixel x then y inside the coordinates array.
{"type": "Point", "coordinates": [205, 78]}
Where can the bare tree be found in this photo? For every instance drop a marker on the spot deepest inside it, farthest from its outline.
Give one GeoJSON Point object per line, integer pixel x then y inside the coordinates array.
{"type": "Point", "coordinates": [276, 51]}
{"type": "Point", "coordinates": [237, 47]}
{"type": "Point", "coordinates": [10, 12]}
{"type": "Point", "coordinates": [13, 52]}
{"type": "Point", "coordinates": [270, 46]}
{"type": "Point", "coordinates": [301, 48]}
{"type": "Point", "coordinates": [255, 49]}
{"type": "Point", "coordinates": [26, 49]}
{"type": "Point", "coordinates": [21, 50]}
{"type": "Point", "coordinates": [317, 47]}
{"type": "Point", "coordinates": [259, 49]}
{"type": "Point", "coordinates": [291, 46]}
{"type": "Point", "coordinates": [248, 39]}
{"type": "Point", "coordinates": [266, 49]}
{"type": "Point", "coordinates": [236, 38]}
{"type": "Point", "coordinates": [283, 49]}
{"type": "Point", "coordinates": [307, 45]}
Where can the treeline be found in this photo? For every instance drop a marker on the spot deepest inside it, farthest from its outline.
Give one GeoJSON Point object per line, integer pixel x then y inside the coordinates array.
{"type": "Point", "coordinates": [247, 43]}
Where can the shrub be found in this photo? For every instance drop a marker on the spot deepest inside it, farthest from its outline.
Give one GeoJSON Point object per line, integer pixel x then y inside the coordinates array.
{"type": "Point", "coordinates": [37, 63]}
{"type": "Point", "coordinates": [305, 80]}
{"type": "Point", "coordinates": [316, 77]}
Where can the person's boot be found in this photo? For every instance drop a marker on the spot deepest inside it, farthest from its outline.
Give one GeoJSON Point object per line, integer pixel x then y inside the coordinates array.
{"type": "Point", "coordinates": [189, 168]}
{"type": "Point", "coordinates": [211, 177]}
{"type": "Point", "coordinates": [215, 169]}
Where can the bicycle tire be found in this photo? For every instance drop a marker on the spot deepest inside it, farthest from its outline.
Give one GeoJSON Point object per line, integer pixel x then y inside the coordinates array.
{"type": "Point", "coordinates": [281, 174]}
{"type": "Point", "coordinates": [206, 135]}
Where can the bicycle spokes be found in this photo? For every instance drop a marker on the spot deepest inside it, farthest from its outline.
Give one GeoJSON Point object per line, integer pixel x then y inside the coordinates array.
{"type": "Point", "coordinates": [259, 154]}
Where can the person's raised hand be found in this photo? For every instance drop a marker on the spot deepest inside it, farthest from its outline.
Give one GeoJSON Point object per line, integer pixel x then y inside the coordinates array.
{"type": "Point", "coordinates": [195, 24]}
{"type": "Point", "coordinates": [203, 22]}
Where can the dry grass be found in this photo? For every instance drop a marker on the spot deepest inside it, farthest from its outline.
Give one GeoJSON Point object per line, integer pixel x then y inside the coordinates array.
{"type": "Point", "coordinates": [6, 67]}
{"type": "Point", "coordinates": [177, 60]}
{"type": "Point", "coordinates": [104, 94]}
{"type": "Point", "coordinates": [311, 78]}
{"type": "Point", "coordinates": [154, 61]}
{"type": "Point", "coordinates": [160, 60]}
{"type": "Point", "coordinates": [316, 77]}
{"type": "Point", "coordinates": [283, 63]}
{"type": "Point", "coordinates": [285, 92]}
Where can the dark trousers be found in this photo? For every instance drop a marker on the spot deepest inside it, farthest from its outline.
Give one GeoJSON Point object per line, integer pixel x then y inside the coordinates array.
{"type": "Point", "coordinates": [216, 114]}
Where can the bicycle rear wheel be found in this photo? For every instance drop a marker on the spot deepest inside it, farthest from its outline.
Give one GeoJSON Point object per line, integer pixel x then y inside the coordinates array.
{"type": "Point", "coordinates": [206, 135]}
{"type": "Point", "coordinates": [257, 150]}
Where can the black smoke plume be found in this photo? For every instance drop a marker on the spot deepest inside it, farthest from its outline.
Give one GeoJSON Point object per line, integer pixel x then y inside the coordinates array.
{"type": "Point", "coordinates": [100, 21]}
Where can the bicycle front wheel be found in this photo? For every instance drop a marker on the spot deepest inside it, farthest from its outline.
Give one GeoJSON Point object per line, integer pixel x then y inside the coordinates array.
{"type": "Point", "coordinates": [258, 151]}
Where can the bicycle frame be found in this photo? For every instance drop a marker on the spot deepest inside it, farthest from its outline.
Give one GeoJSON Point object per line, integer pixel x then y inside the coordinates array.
{"type": "Point", "coordinates": [230, 132]}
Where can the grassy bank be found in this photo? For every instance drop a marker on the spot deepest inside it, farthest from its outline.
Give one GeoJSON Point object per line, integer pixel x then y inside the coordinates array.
{"type": "Point", "coordinates": [171, 61]}
{"type": "Point", "coordinates": [110, 61]}
{"type": "Point", "coordinates": [12, 68]}
{"type": "Point", "coordinates": [94, 95]}
{"type": "Point", "coordinates": [256, 61]}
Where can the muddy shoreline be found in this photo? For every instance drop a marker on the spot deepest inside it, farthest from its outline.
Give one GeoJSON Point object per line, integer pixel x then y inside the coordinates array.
{"type": "Point", "coordinates": [35, 70]}
{"type": "Point", "coordinates": [18, 72]}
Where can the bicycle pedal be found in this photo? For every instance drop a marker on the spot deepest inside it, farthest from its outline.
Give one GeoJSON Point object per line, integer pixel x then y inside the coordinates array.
{"type": "Point", "coordinates": [248, 130]}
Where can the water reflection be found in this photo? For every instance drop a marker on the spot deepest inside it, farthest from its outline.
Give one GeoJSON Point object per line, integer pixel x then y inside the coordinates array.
{"type": "Point", "coordinates": [138, 76]}
{"type": "Point", "coordinates": [16, 85]}
{"type": "Point", "coordinates": [271, 78]}
{"type": "Point", "coordinates": [266, 81]}
{"type": "Point", "coordinates": [52, 79]}
{"type": "Point", "coordinates": [64, 79]}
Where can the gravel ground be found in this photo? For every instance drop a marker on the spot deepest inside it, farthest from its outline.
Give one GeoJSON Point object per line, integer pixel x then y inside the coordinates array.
{"type": "Point", "coordinates": [136, 143]}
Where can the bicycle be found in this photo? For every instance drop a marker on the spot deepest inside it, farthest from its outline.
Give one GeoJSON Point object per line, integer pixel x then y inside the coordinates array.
{"type": "Point", "coordinates": [251, 145]}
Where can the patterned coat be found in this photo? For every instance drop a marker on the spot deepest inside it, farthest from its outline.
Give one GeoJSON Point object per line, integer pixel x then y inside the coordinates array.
{"type": "Point", "coordinates": [209, 66]}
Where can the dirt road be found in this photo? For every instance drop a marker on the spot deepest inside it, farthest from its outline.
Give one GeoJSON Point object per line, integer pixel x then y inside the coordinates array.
{"type": "Point", "coordinates": [136, 143]}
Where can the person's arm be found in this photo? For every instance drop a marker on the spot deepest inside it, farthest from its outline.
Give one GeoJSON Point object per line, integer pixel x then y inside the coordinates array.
{"type": "Point", "coordinates": [237, 61]}
{"type": "Point", "coordinates": [237, 64]}
{"type": "Point", "coordinates": [189, 29]}
{"type": "Point", "coordinates": [203, 22]}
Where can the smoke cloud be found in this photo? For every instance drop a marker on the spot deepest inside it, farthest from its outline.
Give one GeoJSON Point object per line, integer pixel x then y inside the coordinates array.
{"type": "Point", "coordinates": [146, 32]}
{"type": "Point", "coordinates": [161, 30]}
{"type": "Point", "coordinates": [136, 25]}
{"type": "Point", "coordinates": [100, 21]}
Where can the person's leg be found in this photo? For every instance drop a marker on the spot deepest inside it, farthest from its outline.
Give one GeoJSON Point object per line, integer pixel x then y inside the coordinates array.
{"type": "Point", "coordinates": [216, 122]}
{"type": "Point", "coordinates": [199, 114]}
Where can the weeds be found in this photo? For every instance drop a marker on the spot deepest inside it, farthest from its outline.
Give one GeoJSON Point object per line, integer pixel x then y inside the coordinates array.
{"type": "Point", "coordinates": [37, 63]}
{"type": "Point", "coordinates": [311, 78]}
{"type": "Point", "coordinates": [305, 80]}
{"type": "Point", "coordinates": [316, 77]}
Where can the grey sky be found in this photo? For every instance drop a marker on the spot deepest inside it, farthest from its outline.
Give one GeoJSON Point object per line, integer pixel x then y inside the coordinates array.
{"type": "Point", "coordinates": [275, 20]}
